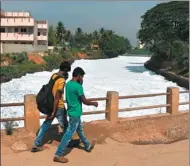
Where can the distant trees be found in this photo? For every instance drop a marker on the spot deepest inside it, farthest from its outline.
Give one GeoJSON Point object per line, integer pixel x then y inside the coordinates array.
{"type": "Point", "coordinates": [165, 31]}
{"type": "Point", "coordinates": [110, 43]}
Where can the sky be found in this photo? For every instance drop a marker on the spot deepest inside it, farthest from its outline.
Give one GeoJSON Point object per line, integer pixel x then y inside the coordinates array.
{"type": "Point", "coordinates": [123, 17]}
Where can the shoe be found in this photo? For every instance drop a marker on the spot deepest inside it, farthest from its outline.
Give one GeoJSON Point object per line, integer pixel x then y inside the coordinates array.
{"type": "Point", "coordinates": [36, 148]}
{"type": "Point", "coordinates": [50, 142]}
{"type": "Point", "coordinates": [92, 144]}
{"type": "Point", "coordinates": [60, 159]}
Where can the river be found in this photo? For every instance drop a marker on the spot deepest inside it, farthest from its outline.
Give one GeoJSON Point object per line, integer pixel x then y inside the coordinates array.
{"type": "Point", "coordinates": [125, 74]}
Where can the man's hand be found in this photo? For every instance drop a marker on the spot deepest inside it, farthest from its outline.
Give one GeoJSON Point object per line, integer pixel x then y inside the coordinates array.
{"type": "Point", "coordinates": [88, 102]}
{"type": "Point", "coordinates": [95, 104]}
{"type": "Point", "coordinates": [51, 117]}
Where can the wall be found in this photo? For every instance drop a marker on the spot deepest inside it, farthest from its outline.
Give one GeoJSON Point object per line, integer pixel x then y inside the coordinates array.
{"type": "Point", "coordinates": [1, 48]}
{"type": "Point", "coordinates": [35, 33]}
{"type": "Point", "coordinates": [9, 48]}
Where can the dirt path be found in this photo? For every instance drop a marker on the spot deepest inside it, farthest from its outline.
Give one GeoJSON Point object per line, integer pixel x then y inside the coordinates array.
{"type": "Point", "coordinates": [132, 142]}
{"type": "Point", "coordinates": [111, 153]}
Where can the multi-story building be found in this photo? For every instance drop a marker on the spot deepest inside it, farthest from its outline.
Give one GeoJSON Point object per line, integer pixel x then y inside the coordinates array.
{"type": "Point", "coordinates": [19, 31]}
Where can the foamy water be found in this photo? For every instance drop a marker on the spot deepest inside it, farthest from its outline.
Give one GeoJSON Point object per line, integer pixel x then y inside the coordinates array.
{"type": "Point", "coordinates": [124, 74]}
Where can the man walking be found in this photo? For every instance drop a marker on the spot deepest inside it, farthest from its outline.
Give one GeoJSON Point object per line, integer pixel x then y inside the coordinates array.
{"type": "Point", "coordinates": [58, 108]}
{"type": "Point", "coordinates": [74, 98]}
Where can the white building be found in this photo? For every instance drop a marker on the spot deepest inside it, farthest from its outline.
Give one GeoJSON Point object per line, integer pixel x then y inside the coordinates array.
{"type": "Point", "coordinates": [19, 31]}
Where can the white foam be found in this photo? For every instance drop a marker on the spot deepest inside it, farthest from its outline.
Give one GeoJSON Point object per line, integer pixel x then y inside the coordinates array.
{"type": "Point", "coordinates": [126, 75]}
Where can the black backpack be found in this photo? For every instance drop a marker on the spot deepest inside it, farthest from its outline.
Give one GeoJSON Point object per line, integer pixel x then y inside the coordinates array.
{"type": "Point", "coordinates": [45, 98]}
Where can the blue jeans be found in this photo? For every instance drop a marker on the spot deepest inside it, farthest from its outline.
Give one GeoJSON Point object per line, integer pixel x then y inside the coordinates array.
{"type": "Point", "coordinates": [61, 116]}
{"type": "Point", "coordinates": [75, 124]}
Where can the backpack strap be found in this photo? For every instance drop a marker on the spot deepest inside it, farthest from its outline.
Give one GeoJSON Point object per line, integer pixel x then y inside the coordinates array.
{"type": "Point", "coordinates": [52, 81]}
{"type": "Point", "coordinates": [52, 77]}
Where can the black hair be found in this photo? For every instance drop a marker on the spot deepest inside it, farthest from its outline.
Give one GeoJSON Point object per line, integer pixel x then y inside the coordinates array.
{"type": "Point", "coordinates": [78, 71]}
{"type": "Point", "coordinates": [65, 66]}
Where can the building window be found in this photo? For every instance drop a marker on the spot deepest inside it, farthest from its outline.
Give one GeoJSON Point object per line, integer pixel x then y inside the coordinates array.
{"type": "Point", "coordinates": [23, 29]}
{"type": "Point", "coordinates": [44, 33]}
{"type": "Point", "coordinates": [30, 30]}
{"type": "Point", "coordinates": [2, 29]}
{"type": "Point", "coordinates": [9, 29]}
{"type": "Point", "coordinates": [29, 20]}
{"type": "Point", "coordinates": [38, 33]}
{"type": "Point", "coordinates": [16, 29]}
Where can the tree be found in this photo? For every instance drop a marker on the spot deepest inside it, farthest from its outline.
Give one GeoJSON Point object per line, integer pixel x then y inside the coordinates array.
{"type": "Point", "coordinates": [128, 44]}
{"type": "Point", "coordinates": [113, 45]}
{"type": "Point", "coordinates": [102, 31]}
{"type": "Point", "coordinates": [79, 31]}
{"type": "Point", "coordinates": [95, 36]}
{"type": "Point", "coordinates": [68, 36]}
{"type": "Point", "coordinates": [79, 37]}
{"type": "Point", "coordinates": [51, 36]}
{"type": "Point", "coordinates": [60, 33]}
{"type": "Point", "coordinates": [164, 24]}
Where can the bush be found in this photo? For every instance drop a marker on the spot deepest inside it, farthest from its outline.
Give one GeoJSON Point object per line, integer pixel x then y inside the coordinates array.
{"type": "Point", "coordinates": [9, 127]}
{"type": "Point", "coordinates": [53, 61]}
{"type": "Point", "coordinates": [19, 57]}
{"type": "Point", "coordinates": [16, 71]}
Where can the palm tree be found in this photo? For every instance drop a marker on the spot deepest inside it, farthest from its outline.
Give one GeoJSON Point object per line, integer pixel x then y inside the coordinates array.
{"type": "Point", "coordinates": [51, 35]}
{"type": "Point", "coordinates": [68, 36]}
{"type": "Point", "coordinates": [60, 32]}
{"type": "Point", "coordinates": [79, 31]}
{"type": "Point", "coordinates": [95, 36]}
{"type": "Point", "coordinates": [102, 31]}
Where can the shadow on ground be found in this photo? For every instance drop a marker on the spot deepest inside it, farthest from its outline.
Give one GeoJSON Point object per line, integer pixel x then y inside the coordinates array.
{"type": "Point", "coordinates": [53, 134]}
{"type": "Point", "coordinates": [92, 132]}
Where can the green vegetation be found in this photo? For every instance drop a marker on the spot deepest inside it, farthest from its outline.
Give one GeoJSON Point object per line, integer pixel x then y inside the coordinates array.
{"type": "Point", "coordinates": [110, 44]}
{"type": "Point", "coordinates": [107, 44]}
{"type": "Point", "coordinates": [139, 52]}
{"type": "Point", "coordinates": [165, 32]}
{"type": "Point", "coordinates": [16, 71]}
{"type": "Point", "coordinates": [21, 65]}
{"type": "Point", "coordinates": [9, 127]}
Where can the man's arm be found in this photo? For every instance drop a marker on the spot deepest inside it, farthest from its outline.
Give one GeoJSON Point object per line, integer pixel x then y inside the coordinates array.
{"type": "Point", "coordinates": [88, 102]}
{"type": "Point", "coordinates": [56, 100]}
{"type": "Point", "coordinates": [80, 93]}
{"type": "Point", "coordinates": [57, 97]}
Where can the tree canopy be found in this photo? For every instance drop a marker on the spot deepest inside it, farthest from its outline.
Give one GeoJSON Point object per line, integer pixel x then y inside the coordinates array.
{"type": "Point", "coordinates": [109, 43]}
{"type": "Point", "coordinates": [165, 29]}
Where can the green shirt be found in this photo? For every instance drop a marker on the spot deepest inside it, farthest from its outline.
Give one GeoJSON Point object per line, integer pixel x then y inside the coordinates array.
{"type": "Point", "coordinates": [73, 92]}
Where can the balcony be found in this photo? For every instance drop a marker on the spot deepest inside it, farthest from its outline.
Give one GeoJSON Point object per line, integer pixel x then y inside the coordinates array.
{"type": "Point", "coordinates": [17, 22]}
{"type": "Point", "coordinates": [42, 26]}
{"type": "Point", "coordinates": [17, 14]}
{"type": "Point", "coordinates": [42, 38]}
{"type": "Point", "coordinates": [16, 37]}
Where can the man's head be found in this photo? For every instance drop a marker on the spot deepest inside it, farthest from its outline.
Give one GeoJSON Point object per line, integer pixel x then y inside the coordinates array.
{"type": "Point", "coordinates": [78, 74]}
{"type": "Point", "coordinates": [65, 66]}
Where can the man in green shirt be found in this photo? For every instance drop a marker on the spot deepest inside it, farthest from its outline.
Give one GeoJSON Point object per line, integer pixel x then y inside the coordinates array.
{"type": "Point", "coordinates": [74, 98]}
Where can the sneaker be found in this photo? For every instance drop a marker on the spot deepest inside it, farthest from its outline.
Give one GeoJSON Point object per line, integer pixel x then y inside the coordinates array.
{"type": "Point", "coordinates": [60, 159]}
{"type": "Point", "coordinates": [36, 148]}
{"type": "Point", "coordinates": [92, 144]}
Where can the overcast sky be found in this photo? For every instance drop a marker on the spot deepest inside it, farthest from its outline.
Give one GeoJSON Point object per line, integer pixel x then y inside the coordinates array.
{"type": "Point", "coordinates": [123, 17]}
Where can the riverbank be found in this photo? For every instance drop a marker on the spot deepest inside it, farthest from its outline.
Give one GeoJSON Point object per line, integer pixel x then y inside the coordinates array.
{"type": "Point", "coordinates": [168, 70]}
{"type": "Point", "coordinates": [20, 64]}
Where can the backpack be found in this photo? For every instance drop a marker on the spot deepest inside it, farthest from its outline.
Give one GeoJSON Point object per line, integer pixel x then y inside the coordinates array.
{"type": "Point", "coordinates": [45, 98]}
